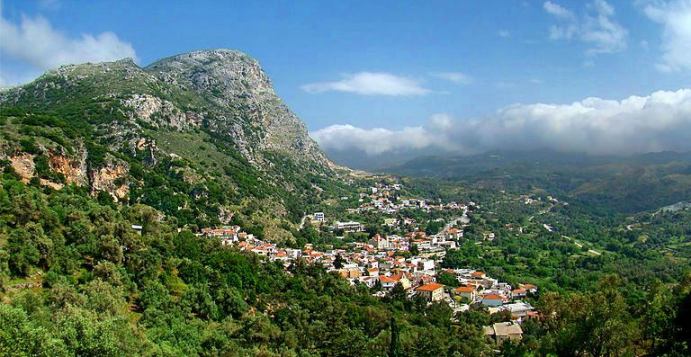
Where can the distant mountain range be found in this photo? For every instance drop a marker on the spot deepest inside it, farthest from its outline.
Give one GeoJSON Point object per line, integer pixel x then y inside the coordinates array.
{"type": "Point", "coordinates": [625, 184]}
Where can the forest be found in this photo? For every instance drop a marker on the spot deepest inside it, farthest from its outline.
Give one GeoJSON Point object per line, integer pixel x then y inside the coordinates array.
{"type": "Point", "coordinates": [76, 279]}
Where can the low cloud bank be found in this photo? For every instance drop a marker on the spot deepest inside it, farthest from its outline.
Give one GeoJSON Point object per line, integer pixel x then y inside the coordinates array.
{"type": "Point", "coordinates": [657, 122]}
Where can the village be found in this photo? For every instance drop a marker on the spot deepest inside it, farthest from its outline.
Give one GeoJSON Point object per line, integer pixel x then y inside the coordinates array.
{"type": "Point", "coordinates": [409, 261]}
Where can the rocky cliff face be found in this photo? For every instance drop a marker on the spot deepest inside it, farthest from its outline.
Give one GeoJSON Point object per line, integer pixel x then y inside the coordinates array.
{"type": "Point", "coordinates": [245, 105]}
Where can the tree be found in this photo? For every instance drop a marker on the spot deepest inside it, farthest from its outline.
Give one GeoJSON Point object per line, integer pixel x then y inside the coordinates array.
{"type": "Point", "coordinates": [447, 279]}
{"type": "Point", "coordinates": [394, 343]}
{"type": "Point", "coordinates": [414, 250]}
{"type": "Point", "coordinates": [339, 261]}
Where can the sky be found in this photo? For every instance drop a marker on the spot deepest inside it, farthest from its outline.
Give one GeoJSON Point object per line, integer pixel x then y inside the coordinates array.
{"type": "Point", "coordinates": [388, 76]}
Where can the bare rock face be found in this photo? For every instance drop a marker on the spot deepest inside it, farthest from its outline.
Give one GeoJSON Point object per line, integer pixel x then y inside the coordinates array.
{"type": "Point", "coordinates": [246, 106]}
{"type": "Point", "coordinates": [23, 164]}
{"type": "Point", "coordinates": [158, 112]}
{"type": "Point", "coordinates": [111, 178]}
{"type": "Point", "coordinates": [74, 170]}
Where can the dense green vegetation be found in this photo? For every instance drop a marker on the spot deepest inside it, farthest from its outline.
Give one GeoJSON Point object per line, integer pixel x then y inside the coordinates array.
{"type": "Point", "coordinates": [75, 279]}
{"type": "Point", "coordinates": [580, 249]}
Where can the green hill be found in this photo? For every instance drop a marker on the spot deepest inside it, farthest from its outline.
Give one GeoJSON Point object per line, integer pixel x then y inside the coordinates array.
{"type": "Point", "coordinates": [200, 136]}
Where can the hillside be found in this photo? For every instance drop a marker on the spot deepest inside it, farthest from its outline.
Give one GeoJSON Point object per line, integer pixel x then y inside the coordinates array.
{"type": "Point", "coordinates": [201, 136]}
{"type": "Point", "coordinates": [619, 184]}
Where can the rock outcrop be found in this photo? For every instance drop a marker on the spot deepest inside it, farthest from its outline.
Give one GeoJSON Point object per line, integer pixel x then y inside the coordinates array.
{"type": "Point", "coordinates": [23, 165]}
{"type": "Point", "coordinates": [73, 169]}
{"type": "Point", "coordinates": [111, 178]}
{"type": "Point", "coordinates": [246, 106]}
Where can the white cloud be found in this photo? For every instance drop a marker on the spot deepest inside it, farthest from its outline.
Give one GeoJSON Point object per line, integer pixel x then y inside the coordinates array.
{"type": "Point", "coordinates": [34, 42]}
{"type": "Point", "coordinates": [503, 33]}
{"type": "Point", "coordinates": [455, 77]}
{"type": "Point", "coordinates": [675, 18]}
{"type": "Point", "coordinates": [558, 11]}
{"type": "Point", "coordinates": [373, 141]}
{"type": "Point", "coordinates": [659, 121]}
{"type": "Point", "coordinates": [596, 28]}
{"type": "Point", "coordinates": [370, 83]}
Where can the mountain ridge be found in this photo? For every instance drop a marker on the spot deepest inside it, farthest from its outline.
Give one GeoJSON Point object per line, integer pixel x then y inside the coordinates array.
{"type": "Point", "coordinates": [201, 131]}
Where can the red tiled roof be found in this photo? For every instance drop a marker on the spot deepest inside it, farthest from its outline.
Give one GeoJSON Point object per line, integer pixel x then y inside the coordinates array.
{"type": "Point", "coordinates": [389, 279]}
{"type": "Point", "coordinates": [430, 287]}
{"type": "Point", "coordinates": [465, 289]}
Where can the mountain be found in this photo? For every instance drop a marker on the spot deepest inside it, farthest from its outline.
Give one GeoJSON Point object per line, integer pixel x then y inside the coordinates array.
{"type": "Point", "coordinates": [241, 101]}
{"type": "Point", "coordinates": [361, 160]}
{"type": "Point", "coordinates": [200, 136]}
{"type": "Point", "coordinates": [625, 184]}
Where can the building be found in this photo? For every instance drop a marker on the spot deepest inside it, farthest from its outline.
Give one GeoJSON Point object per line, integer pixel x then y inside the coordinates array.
{"type": "Point", "coordinates": [454, 233]}
{"type": "Point", "coordinates": [519, 310]}
{"type": "Point", "coordinates": [318, 217]}
{"type": "Point", "coordinates": [381, 243]}
{"type": "Point", "coordinates": [223, 233]}
{"type": "Point", "coordinates": [427, 264]}
{"type": "Point", "coordinates": [529, 288]}
{"type": "Point", "coordinates": [468, 292]}
{"type": "Point", "coordinates": [504, 331]}
{"type": "Point", "coordinates": [493, 300]}
{"type": "Point", "coordinates": [518, 293]}
{"type": "Point", "coordinates": [431, 292]}
{"type": "Point", "coordinates": [388, 282]}
{"type": "Point", "coordinates": [350, 226]}
{"type": "Point", "coordinates": [351, 273]}
{"type": "Point", "coordinates": [478, 274]}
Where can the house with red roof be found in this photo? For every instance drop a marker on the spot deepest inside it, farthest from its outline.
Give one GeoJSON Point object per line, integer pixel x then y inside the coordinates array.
{"type": "Point", "coordinates": [388, 282]}
{"type": "Point", "coordinates": [431, 291]}
{"type": "Point", "coordinates": [468, 292]}
{"type": "Point", "coordinates": [493, 300]}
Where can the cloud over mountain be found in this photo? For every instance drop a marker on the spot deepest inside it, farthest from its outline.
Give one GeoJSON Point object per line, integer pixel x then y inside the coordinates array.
{"type": "Point", "coordinates": [33, 42]}
{"type": "Point", "coordinates": [659, 121]}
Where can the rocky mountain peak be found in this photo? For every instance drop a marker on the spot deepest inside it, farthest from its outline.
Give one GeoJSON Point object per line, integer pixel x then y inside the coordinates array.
{"type": "Point", "coordinates": [224, 91]}
{"type": "Point", "coordinates": [245, 104]}
{"type": "Point", "coordinates": [221, 74]}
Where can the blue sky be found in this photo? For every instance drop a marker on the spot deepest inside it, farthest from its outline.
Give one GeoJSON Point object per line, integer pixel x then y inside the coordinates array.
{"type": "Point", "coordinates": [389, 64]}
